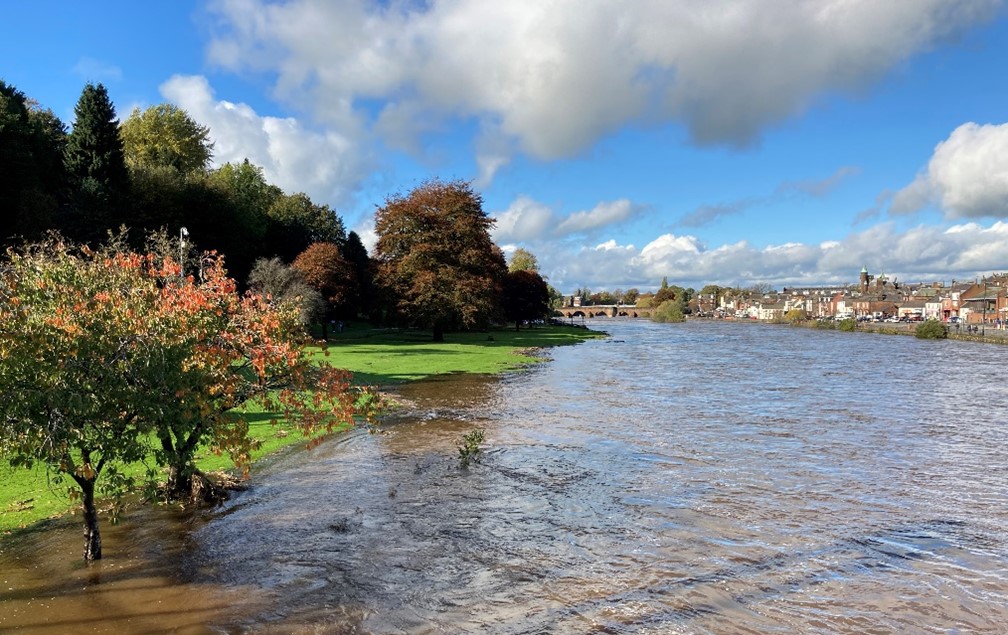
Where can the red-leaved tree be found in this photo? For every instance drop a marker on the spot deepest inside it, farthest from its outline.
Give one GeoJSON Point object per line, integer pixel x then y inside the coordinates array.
{"type": "Point", "coordinates": [109, 356]}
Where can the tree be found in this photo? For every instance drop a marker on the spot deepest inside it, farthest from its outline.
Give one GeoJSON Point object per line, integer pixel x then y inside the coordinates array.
{"type": "Point", "coordinates": [665, 293]}
{"type": "Point", "coordinates": [32, 178]}
{"type": "Point", "coordinates": [357, 255]}
{"type": "Point", "coordinates": [278, 282]}
{"type": "Point", "coordinates": [104, 353]}
{"type": "Point", "coordinates": [525, 296]}
{"type": "Point", "coordinates": [523, 260]}
{"type": "Point", "coordinates": [556, 299]}
{"type": "Point", "coordinates": [630, 296]}
{"type": "Point", "coordinates": [77, 348]}
{"type": "Point", "coordinates": [795, 316]}
{"type": "Point", "coordinates": [931, 330]}
{"type": "Point", "coordinates": [166, 136]}
{"type": "Point", "coordinates": [239, 349]}
{"type": "Point", "coordinates": [234, 208]}
{"type": "Point", "coordinates": [295, 222]}
{"type": "Point", "coordinates": [323, 267]}
{"type": "Point", "coordinates": [603, 298]}
{"type": "Point", "coordinates": [760, 289]}
{"type": "Point", "coordinates": [669, 311]}
{"type": "Point", "coordinates": [95, 164]}
{"type": "Point", "coordinates": [436, 258]}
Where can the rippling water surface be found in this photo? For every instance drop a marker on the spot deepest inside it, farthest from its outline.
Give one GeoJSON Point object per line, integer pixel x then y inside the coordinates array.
{"type": "Point", "coordinates": [695, 478]}
{"type": "Point", "coordinates": [691, 478]}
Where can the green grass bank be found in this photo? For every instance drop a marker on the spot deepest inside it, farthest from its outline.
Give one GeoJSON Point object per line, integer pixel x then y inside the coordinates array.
{"type": "Point", "coordinates": [377, 357]}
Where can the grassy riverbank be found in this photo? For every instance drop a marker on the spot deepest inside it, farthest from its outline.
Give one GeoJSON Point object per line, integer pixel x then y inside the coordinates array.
{"type": "Point", "coordinates": [381, 357]}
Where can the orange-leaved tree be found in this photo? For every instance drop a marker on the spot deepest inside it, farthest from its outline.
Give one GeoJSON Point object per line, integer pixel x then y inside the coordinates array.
{"type": "Point", "coordinates": [324, 268]}
{"type": "Point", "coordinates": [109, 356]}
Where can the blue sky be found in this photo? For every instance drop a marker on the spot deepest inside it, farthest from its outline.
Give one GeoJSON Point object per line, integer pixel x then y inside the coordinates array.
{"type": "Point", "coordinates": [732, 142]}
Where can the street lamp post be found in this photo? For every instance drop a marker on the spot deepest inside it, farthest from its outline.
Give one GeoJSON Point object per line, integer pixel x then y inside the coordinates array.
{"type": "Point", "coordinates": [183, 232]}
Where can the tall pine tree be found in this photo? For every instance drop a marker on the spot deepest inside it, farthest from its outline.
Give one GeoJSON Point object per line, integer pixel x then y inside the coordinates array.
{"type": "Point", "coordinates": [95, 164]}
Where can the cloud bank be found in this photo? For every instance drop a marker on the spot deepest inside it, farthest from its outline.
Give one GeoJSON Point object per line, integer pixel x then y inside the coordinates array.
{"type": "Point", "coordinates": [554, 77]}
{"type": "Point", "coordinates": [919, 254]}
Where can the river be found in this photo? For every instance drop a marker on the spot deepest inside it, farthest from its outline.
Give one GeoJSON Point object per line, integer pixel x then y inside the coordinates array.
{"type": "Point", "coordinates": [694, 478]}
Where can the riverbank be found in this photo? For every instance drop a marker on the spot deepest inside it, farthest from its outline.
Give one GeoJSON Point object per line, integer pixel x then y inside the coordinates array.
{"type": "Point", "coordinates": [376, 357]}
{"type": "Point", "coordinates": [989, 335]}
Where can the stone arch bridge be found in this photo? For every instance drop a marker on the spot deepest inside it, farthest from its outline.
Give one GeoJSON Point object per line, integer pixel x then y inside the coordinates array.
{"type": "Point", "coordinates": [605, 310]}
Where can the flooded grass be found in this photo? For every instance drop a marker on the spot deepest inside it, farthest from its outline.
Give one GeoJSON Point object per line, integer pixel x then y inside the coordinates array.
{"type": "Point", "coordinates": [375, 356]}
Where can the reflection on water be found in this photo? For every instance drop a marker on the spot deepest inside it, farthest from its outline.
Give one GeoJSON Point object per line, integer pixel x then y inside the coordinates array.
{"type": "Point", "coordinates": [697, 478]}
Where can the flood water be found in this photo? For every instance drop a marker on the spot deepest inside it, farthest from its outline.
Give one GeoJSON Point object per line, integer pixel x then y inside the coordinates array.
{"type": "Point", "coordinates": [694, 478]}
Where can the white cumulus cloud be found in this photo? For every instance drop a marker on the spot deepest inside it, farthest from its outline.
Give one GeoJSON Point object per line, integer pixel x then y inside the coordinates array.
{"type": "Point", "coordinates": [557, 76]}
{"type": "Point", "coordinates": [325, 165]}
{"type": "Point", "coordinates": [967, 176]}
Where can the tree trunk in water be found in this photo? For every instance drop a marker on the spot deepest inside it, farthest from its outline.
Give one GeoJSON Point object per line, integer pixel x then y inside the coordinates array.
{"type": "Point", "coordinates": [178, 485]}
{"type": "Point", "coordinates": [438, 333]}
{"type": "Point", "coordinates": [190, 485]}
{"type": "Point", "coordinates": [92, 537]}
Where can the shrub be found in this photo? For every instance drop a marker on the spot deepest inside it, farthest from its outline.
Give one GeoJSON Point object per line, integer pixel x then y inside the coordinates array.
{"type": "Point", "coordinates": [668, 311]}
{"type": "Point", "coordinates": [469, 447]}
{"type": "Point", "coordinates": [931, 330]}
{"type": "Point", "coordinates": [795, 317]}
{"type": "Point", "coordinates": [848, 325]}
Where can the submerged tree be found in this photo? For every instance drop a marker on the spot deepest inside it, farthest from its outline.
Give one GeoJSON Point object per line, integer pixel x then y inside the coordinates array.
{"type": "Point", "coordinates": [110, 356]}
{"type": "Point", "coordinates": [436, 258]}
{"type": "Point", "coordinates": [77, 349]}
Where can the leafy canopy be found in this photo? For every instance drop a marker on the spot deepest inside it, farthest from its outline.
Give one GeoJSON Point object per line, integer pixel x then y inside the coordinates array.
{"type": "Point", "coordinates": [166, 136]}
{"type": "Point", "coordinates": [103, 351]}
{"type": "Point", "coordinates": [435, 256]}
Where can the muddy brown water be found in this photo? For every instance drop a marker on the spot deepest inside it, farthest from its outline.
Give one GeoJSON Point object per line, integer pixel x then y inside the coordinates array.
{"type": "Point", "coordinates": [697, 478]}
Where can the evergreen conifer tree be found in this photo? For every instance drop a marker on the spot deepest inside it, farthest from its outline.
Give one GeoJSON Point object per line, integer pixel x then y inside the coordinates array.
{"type": "Point", "coordinates": [95, 164]}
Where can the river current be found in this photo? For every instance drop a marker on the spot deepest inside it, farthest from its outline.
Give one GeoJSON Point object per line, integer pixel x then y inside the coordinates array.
{"type": "Point", "coordinates": [695, 478]}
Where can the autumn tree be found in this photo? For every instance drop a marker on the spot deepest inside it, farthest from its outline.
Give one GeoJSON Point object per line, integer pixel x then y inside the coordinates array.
{"type": "Point", "coordinates": [241, 349]}
{"type": "Point", "coordinates": [525, 296]}
{"type": "Point", "coordinates": [436, 258]}
{"type": "Point", "coordinates": [323, 267]}
{"type": "Point", "coordinates": [77, 350]}
{"type": "Point", "coordinates": [109, 356]}
{"type": "Point", "coordinates": [796, 316]}
{"type": "Point", "coordinates": [166, 136]}
{"type": "Point", "coordinates": [664, 293]}
{"type": "Point", "coordinates": [523, 260]}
